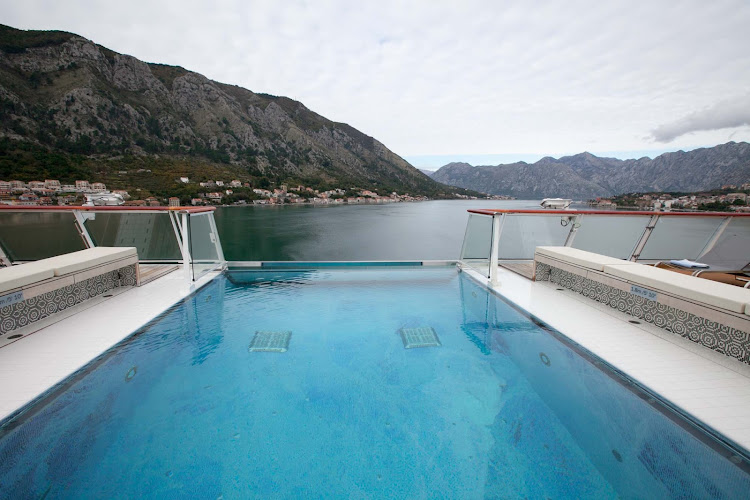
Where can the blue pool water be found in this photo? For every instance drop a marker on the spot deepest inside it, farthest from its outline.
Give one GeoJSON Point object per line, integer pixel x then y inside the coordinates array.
{"type": "Point", "coordinates": [502, 409]}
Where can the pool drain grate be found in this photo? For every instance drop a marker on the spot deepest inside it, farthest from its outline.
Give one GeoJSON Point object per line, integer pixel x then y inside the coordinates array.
{"type": "Point", "coordinates": [270, 341]}
{"type": "Point", "coordinates": [419, 337]}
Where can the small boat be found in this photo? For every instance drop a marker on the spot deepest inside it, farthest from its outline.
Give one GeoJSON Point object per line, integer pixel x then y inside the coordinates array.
{"type": "Point", "coordinates": [103, 199]}
{"type": "Point", "coordinates": [556, 203]}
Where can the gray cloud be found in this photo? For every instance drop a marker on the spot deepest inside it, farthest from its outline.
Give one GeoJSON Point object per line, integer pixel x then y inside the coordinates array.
{"type": "Point", "coordinates": [730, 113]}
{"type": "Point", "coordinates": [436, 77]}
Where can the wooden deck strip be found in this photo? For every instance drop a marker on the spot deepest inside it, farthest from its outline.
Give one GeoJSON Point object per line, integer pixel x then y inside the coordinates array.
{"type": "Point", "coordinates": [149, 272]}
{"type": "Point", "coordinates": [524, 268]}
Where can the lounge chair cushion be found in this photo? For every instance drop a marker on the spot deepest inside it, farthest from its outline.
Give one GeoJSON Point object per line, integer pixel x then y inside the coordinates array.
{"type": "Point", "coordinates": [582, 258]}
{"type": "Point", "coordinates": [24, 274]}
{"type": "Point", "coordinates": [84, 259]}
{"type": "Point", "coordinates": [721, 295]}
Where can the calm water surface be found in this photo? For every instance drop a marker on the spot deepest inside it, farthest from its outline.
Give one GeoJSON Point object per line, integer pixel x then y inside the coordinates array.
{"type": "Point", "coordinates": [500, 409]}
{"type": "Point", "coordinates": [400, 231]}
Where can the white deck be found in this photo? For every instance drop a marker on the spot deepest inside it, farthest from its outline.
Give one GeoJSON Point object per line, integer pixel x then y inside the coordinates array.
{"type": "Point", "coordinates": [65, 342]}
{"type": "Point", "coordinates": [710, 386]}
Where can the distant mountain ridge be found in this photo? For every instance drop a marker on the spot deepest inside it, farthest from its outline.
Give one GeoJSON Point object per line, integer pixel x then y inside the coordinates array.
{"type": "Point", "coordinates": [70, 108]}
{"type": "Point", "coordinates": [585, 176]}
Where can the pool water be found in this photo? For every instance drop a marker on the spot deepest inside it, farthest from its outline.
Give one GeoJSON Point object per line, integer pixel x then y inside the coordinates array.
{"type": "Point", "coordinates": [501, 409]}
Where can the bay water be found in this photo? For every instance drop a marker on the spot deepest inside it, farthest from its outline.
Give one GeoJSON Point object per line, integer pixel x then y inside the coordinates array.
{"type": "Point", "coordinates": [430, 230]}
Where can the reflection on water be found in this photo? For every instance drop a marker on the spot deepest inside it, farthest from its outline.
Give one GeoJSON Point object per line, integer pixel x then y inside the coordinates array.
{"type": "Point", "coordinates": [185, 410]}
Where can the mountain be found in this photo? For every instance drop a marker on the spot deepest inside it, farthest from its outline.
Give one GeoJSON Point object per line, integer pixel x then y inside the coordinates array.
{"type": "Point", "coordinates": [585, 176]}
{"type": "Point", "coordinates": [72, 109]}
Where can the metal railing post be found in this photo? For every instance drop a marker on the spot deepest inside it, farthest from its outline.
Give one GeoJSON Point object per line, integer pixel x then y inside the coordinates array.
{"type": "Point", "coordinates": [497, 227]}
{"type": "Point", "coordinates": [217, 240]}
{"type": "Point", "coordinates": [81, 227]}
{"type": "Point", "coordinates": [186, 259]}
{"type": "Point", "coordinates": [644, 238]}
{"type": "Point", "coordinates": [174, 218]}
{"type": "Point", "coordinates": [715, 237]}
{"type": "Point", "coordinates": [4, 259]}
{"type": "Point", "coordinates": [574, 225]}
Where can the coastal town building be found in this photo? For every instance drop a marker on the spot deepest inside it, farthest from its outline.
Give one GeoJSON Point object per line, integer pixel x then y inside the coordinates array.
{"type": "Point", "coordinates": [53, 192]}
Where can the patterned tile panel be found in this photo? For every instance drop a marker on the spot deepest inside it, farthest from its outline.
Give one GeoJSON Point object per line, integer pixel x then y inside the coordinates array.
{"type": "Point", "coordinates": [721, 338]}
{"type": "Point", "coordinates": [30, 310]}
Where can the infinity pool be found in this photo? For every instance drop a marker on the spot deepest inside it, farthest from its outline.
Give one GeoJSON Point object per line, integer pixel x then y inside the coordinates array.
{"type": "Point", "coordinates": [499, 407]}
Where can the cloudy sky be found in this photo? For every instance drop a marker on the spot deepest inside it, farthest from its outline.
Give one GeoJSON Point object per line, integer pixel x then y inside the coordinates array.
{"type": "Point", "coordinates": [485, 81]}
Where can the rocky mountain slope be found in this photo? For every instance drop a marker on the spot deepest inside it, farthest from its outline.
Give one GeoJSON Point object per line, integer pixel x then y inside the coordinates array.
{"type": "Point", "coordinates": [70, 107]}
{"type": "Point", "coordinates": [585, 176]}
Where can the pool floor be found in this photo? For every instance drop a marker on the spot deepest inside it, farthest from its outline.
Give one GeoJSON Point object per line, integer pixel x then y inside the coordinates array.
{"type": "Point", "coordinates": [500, 409]}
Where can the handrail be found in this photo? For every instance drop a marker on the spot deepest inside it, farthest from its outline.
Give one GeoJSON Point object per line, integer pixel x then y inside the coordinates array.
{"type": "Point", "coordinates": [575, 218]}
{"type": "Point", "coordinates": [103, 208]}
{"type": "Point", "coordinates": [493, 211]}
{"type": "Point", "coordinates": [179, 218]}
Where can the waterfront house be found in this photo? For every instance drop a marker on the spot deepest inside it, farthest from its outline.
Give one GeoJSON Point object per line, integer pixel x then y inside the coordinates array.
{"type": "Point", "coordinates": [28, 199]}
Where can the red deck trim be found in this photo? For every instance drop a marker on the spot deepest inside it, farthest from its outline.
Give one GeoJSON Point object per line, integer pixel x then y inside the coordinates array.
{"type": "Point", "coordinates": [492, 211]}
{"type": "Point", "coordinates": [103, 208]}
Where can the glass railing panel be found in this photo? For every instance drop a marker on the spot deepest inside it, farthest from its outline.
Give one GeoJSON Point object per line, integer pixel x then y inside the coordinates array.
{"type": "Point", "coordinates": [38, 235]}
{"type": "Point", "coordinates": [521, 234]}
{"type": "Point", "coordinates": [595, 234]}
{"type": "Point", "coordinates": [203, 245]}
{"type": "Point", "coordinates": [732, 250]}
{"type": "Point", "coordinates": [680, 237]}
{"type": "Point", "coordinates": [477, 244]}
{"type": "Point", "coordinates": [151, 234]}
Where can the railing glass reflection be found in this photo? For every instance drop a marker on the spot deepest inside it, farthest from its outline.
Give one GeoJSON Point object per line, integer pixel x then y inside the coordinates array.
{"type": "Point", "coordinates": [160, 234]}
{"type": "Point", "coordinates": [720, 240]}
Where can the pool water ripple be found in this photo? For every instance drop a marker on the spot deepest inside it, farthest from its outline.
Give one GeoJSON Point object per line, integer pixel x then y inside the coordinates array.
{"type": "Point", "coordinates": [501, 408]}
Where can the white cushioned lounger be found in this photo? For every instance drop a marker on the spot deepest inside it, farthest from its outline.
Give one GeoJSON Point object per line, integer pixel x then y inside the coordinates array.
{"type": "Point", "coordinates": [25, 274]}
{"type": "Point", "coordinates": [731, 298]}
{"type": "Point", "coordinates": [92, 257]}
{"type": "Point", "coordinates": [582, 258]}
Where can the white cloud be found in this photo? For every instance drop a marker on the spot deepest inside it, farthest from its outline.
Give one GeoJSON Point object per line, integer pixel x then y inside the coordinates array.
{"type": "Point", "coordinates": [443, 77]}
{"type": "Point", "coordinates": [730, 113]}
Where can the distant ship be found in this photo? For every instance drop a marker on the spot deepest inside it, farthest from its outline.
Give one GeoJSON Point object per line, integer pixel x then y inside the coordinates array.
{"type": "Point", "coordinates": [99, 199]}
{"type": "Point", "coordinates": [556, 203]}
